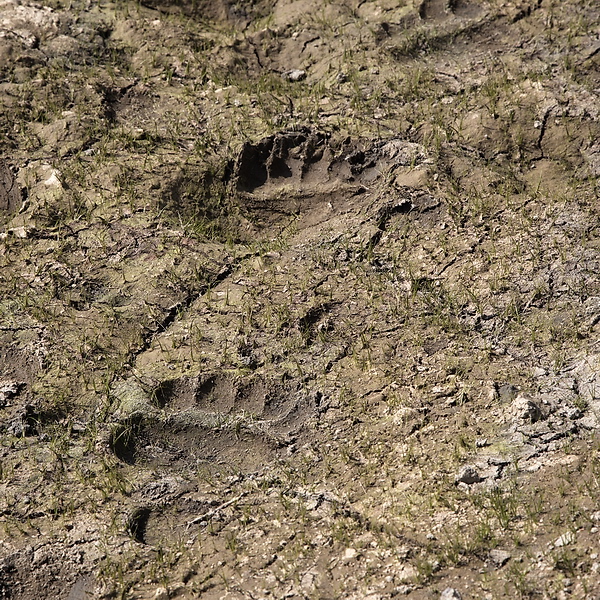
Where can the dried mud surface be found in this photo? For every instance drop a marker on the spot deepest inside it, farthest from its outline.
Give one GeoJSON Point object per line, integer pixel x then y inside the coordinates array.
{"type": "Point", "coordinates": [299, 299]}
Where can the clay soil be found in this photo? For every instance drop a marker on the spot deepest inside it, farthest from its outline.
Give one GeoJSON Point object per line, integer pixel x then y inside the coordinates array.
{"type": "Point", "coordinates": [299, 299]}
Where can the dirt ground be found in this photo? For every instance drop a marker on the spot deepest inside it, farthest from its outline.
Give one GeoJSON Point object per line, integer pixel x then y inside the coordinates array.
{"type": "Point", "coordinates": [299, 299]}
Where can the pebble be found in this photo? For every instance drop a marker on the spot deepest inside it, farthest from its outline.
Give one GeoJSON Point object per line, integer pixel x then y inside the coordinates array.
{"type": "Point", "coordinates": [564, 540]}
{"type": "Point", "coordinates": [77, 427]}
{"type": "Point", "coordinates": [295, 75]}
{"type": "Point", "coordinates": [403, 590]}
{"type": "Point", "coordinates": [8, 389]}
{"type": "Point", "coordinates": [53, 180]}
{"type": "Point", "coordinates": [468, 474]}
{"type": "Point", "coordinates": [450, 594]}
{"type": "Point", "coordinates": [507, 392]}
{"type": "Point", "coordinates": [499, 557]}
{"type": "Point", "coordinates": [524, 408]}
{"type": "Point", "coordinates": [19, 232]}
{"type": "Point", "coordinates": [573, 413]}
{"type": "Point", "coordinates": [349, 554]}
{"type": "Point", "coordinates": [161, 594]}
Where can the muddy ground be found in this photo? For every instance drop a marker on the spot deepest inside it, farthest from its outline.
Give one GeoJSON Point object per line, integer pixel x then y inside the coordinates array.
{"type": "Point", "coordinates": [299, 299]}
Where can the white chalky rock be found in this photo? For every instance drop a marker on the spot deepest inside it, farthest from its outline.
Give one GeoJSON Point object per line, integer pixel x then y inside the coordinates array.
{"type": "Point", "coordinates": [526, 409]}
{"type": "Point", "coordinates": [450, 594]}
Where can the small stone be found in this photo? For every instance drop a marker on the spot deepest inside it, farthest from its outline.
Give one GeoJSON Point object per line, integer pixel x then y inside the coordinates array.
{"type": "Point", "coordinates": [450, 594]}
{"type": "Point", "coordinates": [295, 75]}
{"type": "Point", "coordinates": [499, 557]}
{"type": "Point", "coordinates": [525, 409]}
{"type": "Point", "coordinates": [468, 474]}
{"type": "Point", "coordinates": [349, 554]}
{"type": "Point", "coordinates": [161, 593]}
{"type": "Point", "coordinates": [507, 392]}
{"type": "Point", "coordinates": [8, 390]}
{"type": "Point", "coordinates": [573, 413]}
{"type": "Point", "coordinates": [19, 232]}
{"type": "Point", "coordinates": [308, 580]}
{"type": "Point", "coordinates": [565, 539]}
{"type": "Point", "coordinates": [53, 180]}
{"type": "Point", "coordinates": [77, 427]}
{"type": "Point", "coordinates": [403, 590]}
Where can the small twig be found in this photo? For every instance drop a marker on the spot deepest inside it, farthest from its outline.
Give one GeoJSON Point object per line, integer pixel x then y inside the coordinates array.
{"type": "Point", "coordinates": [211, 513]}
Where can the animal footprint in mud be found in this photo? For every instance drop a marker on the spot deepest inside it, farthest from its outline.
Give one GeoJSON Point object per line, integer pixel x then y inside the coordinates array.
{"type": "Point", "coordinates": [216, 418]}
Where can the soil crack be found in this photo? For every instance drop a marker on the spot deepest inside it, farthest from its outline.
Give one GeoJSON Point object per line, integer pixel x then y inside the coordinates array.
{"type": "Point", "coordinates": [178, 308]}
